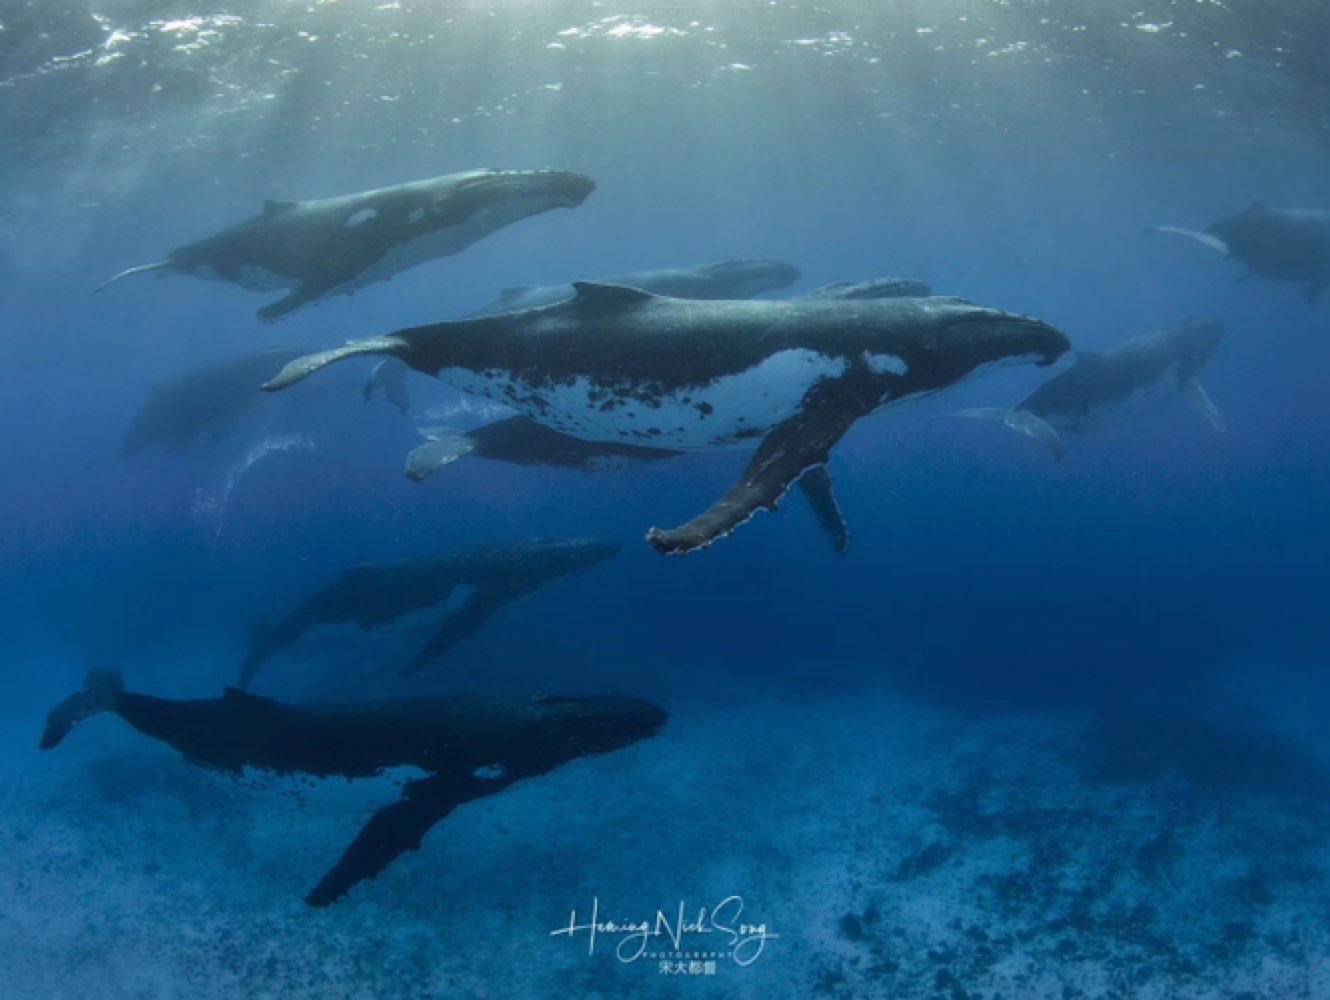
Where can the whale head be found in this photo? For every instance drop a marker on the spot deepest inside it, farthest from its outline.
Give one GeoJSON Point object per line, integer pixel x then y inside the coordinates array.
{"type": "Point", "coordinates": [970, 337]}
{"type": "Point", "coordinates": [1196, 340]}
{"type": "Point", "coordinates": [565, 728]}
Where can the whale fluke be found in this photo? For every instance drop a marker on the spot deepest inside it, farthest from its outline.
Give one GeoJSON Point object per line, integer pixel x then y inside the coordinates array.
{"type": "Point", "coordinates": [98, 695]}
{"type": "Point", "coordinates": [160, 265]}
{"type": "Point", "coordinates": [302, 368]}
{"type": "Point", "coordinates": [1021, 421]}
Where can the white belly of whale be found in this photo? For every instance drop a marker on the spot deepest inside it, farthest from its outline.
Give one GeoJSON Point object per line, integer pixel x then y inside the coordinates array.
{"type": "Point", "coordinates": [725, 412]}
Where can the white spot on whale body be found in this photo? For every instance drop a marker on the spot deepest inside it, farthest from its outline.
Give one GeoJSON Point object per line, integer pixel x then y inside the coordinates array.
{"type": "Point", "coordinates": [416, 215]}
{"type": "Point", "coordinates": [885, 364]}
{"type": "Point", "coordinates": [360, 218]}
{"type": "Point", "coordinates": [490, 772]}
{"type": "Point", "coordinates": [728, 411]}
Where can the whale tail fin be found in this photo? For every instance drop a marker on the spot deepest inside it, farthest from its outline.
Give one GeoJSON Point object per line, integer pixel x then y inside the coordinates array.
{"type": "Point", "coordinates": [98, 695]}
{"type": "Point", "coordinates": [303, 367]}
{"type": "Point", "coordinates": [1021, 421]}
{"type": "Point", "coordinates": [442, 447]}
{"type": "Point", "coordinates": [160, 265]}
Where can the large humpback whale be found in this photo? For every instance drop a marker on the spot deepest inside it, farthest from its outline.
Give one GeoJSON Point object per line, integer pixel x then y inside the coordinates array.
{"type": "Point", "coordinates": [1287, 244]}
{"type": "Point", "coordinates": [620, 364]}
{"type": "Point", "coordinates": [373, 595]}
{"type": "Point", "coordinates": [202, 403]}
{"type": "Point", "coordinates": [467, 747]}
{"type": "Point", "coordinates": [1164, 361]}
{"type": "Point", "coordinates": [317, 248]}
{"type": "Point", "coordinates": [734, 278]}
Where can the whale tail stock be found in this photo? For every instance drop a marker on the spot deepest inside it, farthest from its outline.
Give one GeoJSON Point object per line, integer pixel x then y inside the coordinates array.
{"type": "Point", "coordinates": [160, 265]}
{"type": "Point", "coordinates": [98, 695]}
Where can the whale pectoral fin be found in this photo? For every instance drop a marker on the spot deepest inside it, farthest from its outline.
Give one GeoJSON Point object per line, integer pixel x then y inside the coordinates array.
{"type": "Point", "coordinates": [791, 449]}
{"type": "Point", "coordinates": [442, 447]}
{"type": "Point", "coordinates": [160, 265]}
{"type": "Point", "coordinates": [306, 365]}
{"type": "Point", "coordinates": [816, 486]}
{"type": "Point", "coordinates": [301, 295]}
{"type": "Point", "coordinates": [390, 833]}
{"type": "Point", "coordinates": [475, 611]}
{"type": "Point", "coordinates": [1205, 239]}
{"type": "Point", "coordinates": [1036, 429]}
{"type": "Point", "coordinates": [1021, 421]}
{"type": "Point", "coordinates": [1199, 398]}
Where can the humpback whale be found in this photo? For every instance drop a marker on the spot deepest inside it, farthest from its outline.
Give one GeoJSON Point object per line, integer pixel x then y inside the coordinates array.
{"type": "Point", "coordinates": [620, 364]}
{"type": "Point", "coordinates": [177, 412]}
{"type": "Point", "coordinates": [372, 595]}
{"type": "Point", "coordinates": [734, 278]}
{"type": "Point", "coordinates": [1287, 244]}
{"type": "Point", "coordinates": [317, 248]}
{"type": "Point", "coordinates": [873, 288]}
{"type": "Point", "coordinates": [1167, 359]}
{"type": "Point", "coordinates": [522, 441]}
{"type": "Point", "coordinates": [468, 748]}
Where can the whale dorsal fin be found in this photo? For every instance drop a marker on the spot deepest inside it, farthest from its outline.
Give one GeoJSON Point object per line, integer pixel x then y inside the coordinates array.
{"type": "Point", "coordinates": [590, 293]}
{"type": "Point", "coordinates": [273, 207]}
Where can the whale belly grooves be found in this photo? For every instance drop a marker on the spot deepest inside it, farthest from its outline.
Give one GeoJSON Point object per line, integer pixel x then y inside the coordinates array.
{"type": "Point", "coordinates": [727, 411]}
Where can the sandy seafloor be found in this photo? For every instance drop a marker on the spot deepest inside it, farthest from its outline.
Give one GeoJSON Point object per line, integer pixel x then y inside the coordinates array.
{"type": "Point", "coordinates": [897, 849]}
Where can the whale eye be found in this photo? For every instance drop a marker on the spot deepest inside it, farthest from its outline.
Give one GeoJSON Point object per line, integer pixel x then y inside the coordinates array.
{"type": "Point", "coordinates": [489, 772]}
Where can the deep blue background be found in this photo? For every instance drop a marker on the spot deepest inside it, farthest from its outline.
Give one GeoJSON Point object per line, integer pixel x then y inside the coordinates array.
{"type": "Point", "coordinates": [1158, 553]}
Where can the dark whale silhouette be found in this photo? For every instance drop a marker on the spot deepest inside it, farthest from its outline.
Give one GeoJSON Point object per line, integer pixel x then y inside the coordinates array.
{"type": "Point", "coordinates": [620, 364]}
{"type": "Point", "coordinates": [177, 412]}
{"type": "Point", "coordinates": [373, 595]}
{"type": "Point", "coordinates": [468, 747]}
{"type": "Point", "coordinates": [1287, 244]}
{"type": "Point", "coordinates": [317, 248]}
{"type": "Point", "coordinates": [1166, 360]}
{"type": "Point", "coordinates": [733, 278]}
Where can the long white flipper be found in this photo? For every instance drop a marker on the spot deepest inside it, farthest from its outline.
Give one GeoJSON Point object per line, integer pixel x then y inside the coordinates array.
{"type": "Point", "coordinates": [1205, 239]}
{"type": "Point", "coordinates": [1021, 421]}
{"type": "Point", "coordinates": [160, 265]}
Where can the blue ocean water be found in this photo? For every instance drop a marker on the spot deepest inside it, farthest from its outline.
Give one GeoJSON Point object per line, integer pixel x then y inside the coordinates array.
{"type": "Point", "coordinates": [1046, 729]}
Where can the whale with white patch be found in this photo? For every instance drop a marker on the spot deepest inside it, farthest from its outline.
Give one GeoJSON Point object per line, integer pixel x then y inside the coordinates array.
{"type": "Point", "coordinates": [1141, 369]}
{"type": "Point", "coordinates": [620, 364]}
{"type": "Point", "coordinates": [319, 248]}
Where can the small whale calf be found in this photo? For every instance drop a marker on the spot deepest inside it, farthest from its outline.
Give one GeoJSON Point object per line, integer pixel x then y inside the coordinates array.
{"type": "Point", "coordinates": [1098, 384]}
{"type": "Point", "coordinates": [318, 248]}
{"type": "Point", "coordinates": [375, 595]}
{"type": "Point", "coordinates": [1287, 244]}
{"type": "Point", "coordinates": [619, 364]}
{"type": "Point", "coordinates": [733, 278]}
{"type": "Point", "coordinates": [468, 748]}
